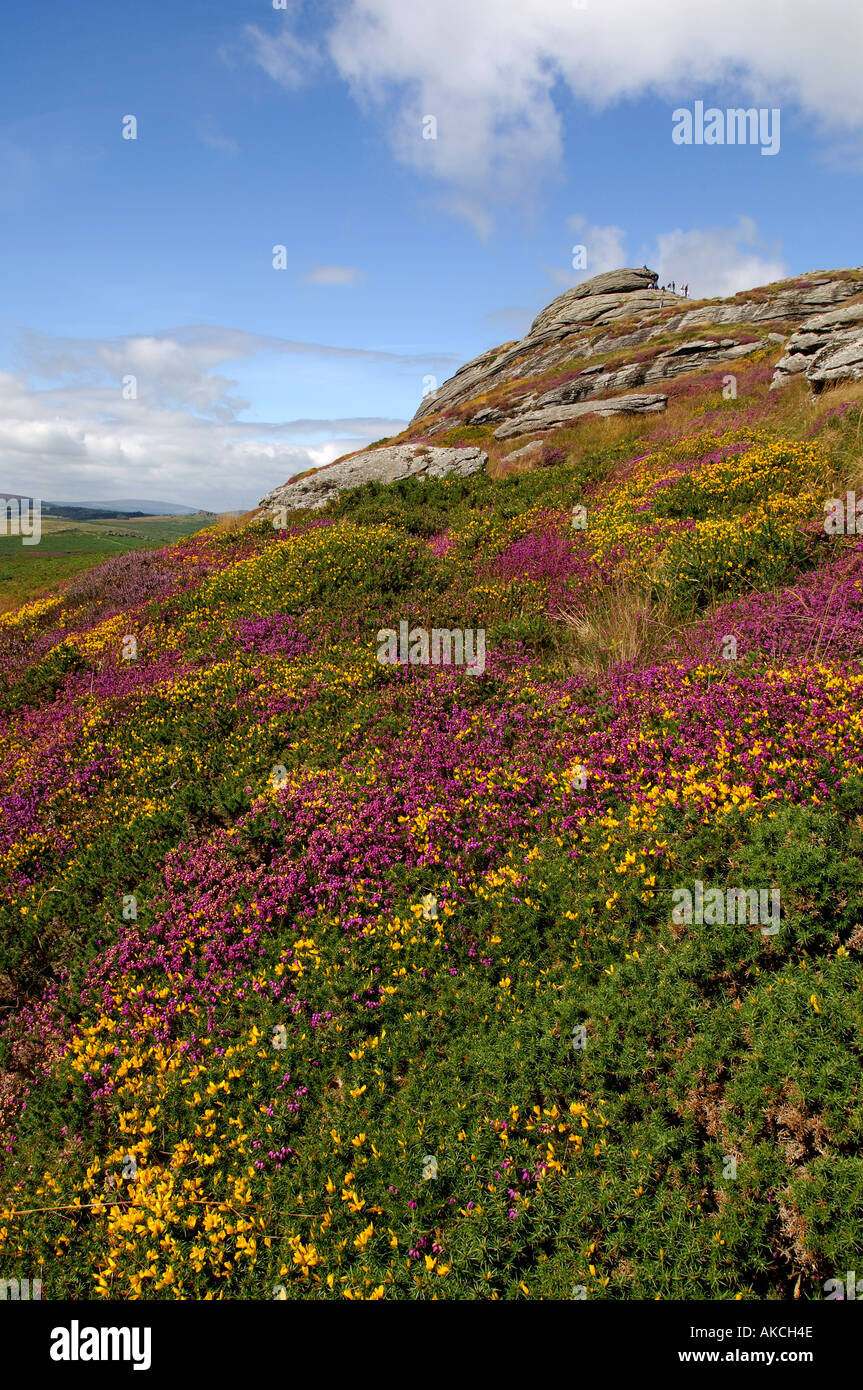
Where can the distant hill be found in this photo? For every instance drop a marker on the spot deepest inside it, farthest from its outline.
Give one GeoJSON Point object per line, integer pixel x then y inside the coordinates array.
{"type": "Point", "coordinates": [140, 505]}
{"type": "Point", "coordinates": [120, 507]}
{"type": "Point", "coordinates": [70, 512]}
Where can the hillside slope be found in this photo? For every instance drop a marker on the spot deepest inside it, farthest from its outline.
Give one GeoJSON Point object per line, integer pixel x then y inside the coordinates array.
{"type": "Point", "coordinates": [330, 971]}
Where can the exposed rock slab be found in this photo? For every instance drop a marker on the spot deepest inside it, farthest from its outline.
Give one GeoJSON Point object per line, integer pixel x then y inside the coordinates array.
{"type": "Point", "coordinates": [554, 416]}
{"type": "Point", "coordinates": [694, 356]}
{"type": "Point", "coordinates": [599, 294]}
{"type": "Point", "coordinates": [796, 301]}
{"type": "Point", "coordinates": [536, 446]}
{"type": "Point", "coordinates": [826, 348]}
{"type": "Point", "coordinates": [388, 464]}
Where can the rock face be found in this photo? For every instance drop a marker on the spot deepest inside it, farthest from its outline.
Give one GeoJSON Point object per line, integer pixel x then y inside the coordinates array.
{"type": "Point", "coordinates": [607, 347]}
{"type": "Point", "coordinates": [535, 446]}
{"type": "Point", "coordinates": [694, 356]}
{"type": "Point", "coordinates": [385, 465]}
{"type": "Point", "coordinates": [632, 316]}
{"type": "Point", "coordinates": [617, 295]}
{"type": "Point", "coordinates": [591, 300]}
{"type": "Point", "coordinates": [565, 414]}
{"type": "Point", "coordinates": [826, 348]}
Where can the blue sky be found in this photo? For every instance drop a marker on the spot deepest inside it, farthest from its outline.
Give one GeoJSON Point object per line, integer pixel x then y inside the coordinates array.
{"type": "Point", "coordinates": [302, 127]}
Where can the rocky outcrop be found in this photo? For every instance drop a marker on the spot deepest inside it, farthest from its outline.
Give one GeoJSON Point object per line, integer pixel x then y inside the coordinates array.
{"type": "Point", "coordinates": [555, 416]}
{"type": "Point", "coordinates": [601, 300]}
{"type": "Point", "coordinates": [811, 293]}
{"type": "Point", "coordinates": [386, 465]}
{"type": "Point", "coordinates": [826, 348]}
{"type": "Point", "coordinates": [592, 382]}
{"type": "Point", "coordinates": [598, 299]}
{"type": "Point", "coordinates": [634, 316]}
{"type": "Point", "coordinates": [605, 347]}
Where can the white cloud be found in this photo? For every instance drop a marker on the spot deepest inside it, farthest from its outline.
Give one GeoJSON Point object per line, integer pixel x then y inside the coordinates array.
{"type": "Point", "coordinates": [713, 261]}
{"type": "Point", "coordinates": [716, 261]}
{"type": "Point", "coordinates": [333, 275]}
{"type": "Point", "coordinates": [180, 438]}
{"type": "Point", "coordinates": [286, 58]}
{"type": "Point", "coordinates": [490, 72]}
{"type": "Point", "coordinates": [605, 249]}
{"type": "Point", "coordinates": [210, 135]}
{"type": "Point", "coordinates": [158, 453]}
{"type": "Point", "coordinates": [177, 363]}
{"type": "Point", "coordinates": [605, 246]}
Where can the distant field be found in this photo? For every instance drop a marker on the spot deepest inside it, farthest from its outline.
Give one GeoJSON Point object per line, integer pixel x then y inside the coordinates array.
{"type": "Point", "coordinates": [69, 547]}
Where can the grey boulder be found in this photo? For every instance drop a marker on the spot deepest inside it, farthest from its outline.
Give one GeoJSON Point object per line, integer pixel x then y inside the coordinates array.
{"type": "Point", "coordinates": [551, 418]}
{"type": "Point", "coordinates": [826, 348]}
{"type": "Point", "coordinates": [389, 464]}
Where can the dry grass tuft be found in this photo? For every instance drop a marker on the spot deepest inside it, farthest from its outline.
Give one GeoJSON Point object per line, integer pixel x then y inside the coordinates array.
{"type": "Point", "coordinates": [621, 625]}
{"type": "Point", "coordinates": [229, 523]}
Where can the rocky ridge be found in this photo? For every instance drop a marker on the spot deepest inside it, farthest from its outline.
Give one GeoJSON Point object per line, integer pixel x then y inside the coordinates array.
{"type": "Point", "coordinates": [639, 337]}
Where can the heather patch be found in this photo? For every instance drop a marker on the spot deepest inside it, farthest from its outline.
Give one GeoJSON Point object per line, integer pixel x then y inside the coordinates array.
{"type": "Point", "coordinates": [364, 980]}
